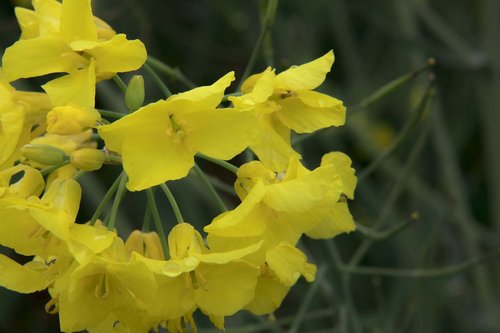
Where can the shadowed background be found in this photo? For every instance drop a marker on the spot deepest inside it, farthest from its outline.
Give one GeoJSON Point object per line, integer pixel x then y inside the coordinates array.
{"type": "Point", "coordinates": [440, 183]}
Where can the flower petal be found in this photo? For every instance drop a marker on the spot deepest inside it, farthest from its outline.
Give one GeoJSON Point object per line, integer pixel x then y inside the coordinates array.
{"type": "Point", "coordinates": [40, 56]}
{"type": "Point", "coordinates": [77, 21]}
{"type": "Point", "coordinates": [77, 88]}
{"type": "Point", "coordinates": [338, 220]}
{"type": "Point", "coordinates": [227, 288]}
{"type": "Point", "coordinates": [309, 111]}
{"type": "Point", "coordinates": [118, 55]}
{"type": "Point", "coordinates": [307, 76]}
{"type": "Point", "coordinates": [221, 133]}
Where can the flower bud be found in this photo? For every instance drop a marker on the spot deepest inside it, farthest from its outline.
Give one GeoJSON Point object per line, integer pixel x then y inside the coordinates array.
{"type": "Point", "coordinates": [134, 95]}
{"type": "Point", "coordinates": [87, 159]}
{"type": "Point", "coordinates": [146, 244]}
{"type": "Point", "coordinates": [70, 119]}
{"type": "Point", "coordinates": [44, 154]}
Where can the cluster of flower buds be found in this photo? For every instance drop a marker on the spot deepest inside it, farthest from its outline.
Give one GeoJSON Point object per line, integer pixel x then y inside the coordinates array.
{"type": "Point", "coordinates": [248, 257]}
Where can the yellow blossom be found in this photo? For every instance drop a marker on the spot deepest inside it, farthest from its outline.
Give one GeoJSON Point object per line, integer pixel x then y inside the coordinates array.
{"type": "Point", "coordinates": [287, 101]}
{"type": "Point", "coordinates": [158, 142]}
{"type": "Point", "coordinates": [68, 37]}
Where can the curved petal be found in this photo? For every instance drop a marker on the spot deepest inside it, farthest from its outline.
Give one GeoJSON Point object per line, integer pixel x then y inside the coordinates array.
{"type": "Point", "coordinates": [77, 21]}
{"type": "Point", "coordinates": [75, 88]}
{"type": "Point", "coordinates": [342, 166]}
{"type": "Point", "coordinates": [248, 219]}
{"type": "Point", "coordinates": [289, 263]}
{"type": "Point", "coordinates": [201, 98]}
{"type": "Point", "coordinates": [269, 295]}
{"type": "Point", "coordinates": [338, 220]}
{"type": "Point", "coordinates": [221, 133]}
{"type": "Point", "coordinates": [40, 56]}
{"type": "Point", "coordinates": [320, 111]}
{"type": "Point", "coordinates": [20, 278]}
{"type": "Point", "coordinates": [227, 288]}
{"type": "Point", "coordinates": [307, 76]}
{"type": "Point", "coordinates": [118, 55]}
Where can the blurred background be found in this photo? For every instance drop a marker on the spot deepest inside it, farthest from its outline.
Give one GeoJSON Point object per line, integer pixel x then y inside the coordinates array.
{"type": "Point", "coordinates": [426, 148]}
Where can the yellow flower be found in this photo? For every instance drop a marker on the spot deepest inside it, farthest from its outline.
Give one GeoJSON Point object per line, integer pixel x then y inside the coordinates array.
{"type": "Point", "coordinates": [19, 113]}
{"type": "Point", "coordinates": [45, 227]}
{"type": "Point", "coordinates": [220, 284]}
{"type": "Point", "coordinates": [284, 265]}
{"type": "Point", "coordinates": [30, 184]}
{"type": "Point", "coordinates": [102, 286]}
{"type": "Point", "coordinates": [65, 38]}
{"type": "Point", "coordinates": [287, 101]}
{"type": "Point", "coordinates": [276, 207]}
{"type": "Point", "coordinates": [158, 142]}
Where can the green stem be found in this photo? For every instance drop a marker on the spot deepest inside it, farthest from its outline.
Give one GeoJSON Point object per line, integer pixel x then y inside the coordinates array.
{"type": "Point", "coordinates": [226, 165]}
{"type": "Point", "coordinates": [266, 27]}
{"type": "Point", "coordinates": [163, 87]}
{"type": "Point", "coordinates": [173, 203]}
{"type": "Point", "coordinates": [210, 188]}
{"type": "Point", "coordinates": [424, 273]}
{"type": "Point", "coordinates": [174, 73]}
{"type": "Point", "coordinates": [156, 217]}
{"type": "Point", "coordinates": [105, 200]}
{"type": "Point", "coordinates": [78, 175]}
{"type": "Point", "coordinates": [393, 194]}
{"type": "Point", "coordinates": [402, 135]}
{"type": "Point", "coordinates": [390, 87]}
{"type": "Point", "coordinates": [53, 168]}
{"type": "Point", "coordinates": [111, 114]}
{"type": "Point", "coordinates": [382, 235]}
{"type": "Point", "coordinates": [226, 96]}
{"type": "Point", "coordinates": [120, 192]}
{"type": "Point", "coordinates": [305, 303]}
{"type": "Point", "coordinates": [119, 82]}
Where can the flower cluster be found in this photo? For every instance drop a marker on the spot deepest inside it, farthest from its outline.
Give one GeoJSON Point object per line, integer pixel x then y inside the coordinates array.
{"type": "Point", "coordinates": [248, 259]}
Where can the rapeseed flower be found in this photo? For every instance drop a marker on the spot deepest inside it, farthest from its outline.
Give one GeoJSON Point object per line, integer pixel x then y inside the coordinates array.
{"type": "Point", "coordinates": [158, 142]}
{"type": "Point", "coordinates": [286, 101]}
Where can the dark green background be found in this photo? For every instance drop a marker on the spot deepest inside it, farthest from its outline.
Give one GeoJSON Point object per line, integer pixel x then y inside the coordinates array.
{"type": "Point", "coordinates": [454, 184]}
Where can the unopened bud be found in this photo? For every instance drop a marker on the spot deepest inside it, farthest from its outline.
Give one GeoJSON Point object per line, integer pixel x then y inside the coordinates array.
{"type": "Point", "coordinates": [69, 119]}
{"type": "Point", "coordinates": [134, 95]}
{"type": "Point", "coordinates": [87, 159]}
{"type": "Point", "coordinates": [44, 154]}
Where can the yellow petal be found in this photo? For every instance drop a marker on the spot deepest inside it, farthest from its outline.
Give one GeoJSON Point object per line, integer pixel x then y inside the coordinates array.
{"type": "Point", "coordinates": [300, 194]}
{"type": "Point", "coordinates": [20, 278]}
{"type": "Point", "coordinates": [152, 158]}
{"type": "Point", "coordinates": [76, 88]}
{"type": "Point", "coordinates": [28, 22]}
{"type": "Point", "coordinates": [180, 239]}
{"type": "Point", "coordinates": [320, 111]}
{"type": "Point", "coordinates": [248, 219]}
{"type": "Point", "coordinates": [226, 257]}
{"type": "Point", "coordinates": [260, 91]}
{"type": "Point", "coordinates": [342, 166]}
{"type": "Point", "coordinates": [269, 295]}
{"type": "Point", "coordinates": [12, 126]}
{"type": "Point", "coordinates": [221, 133]}
{"type": "Point", "coordinates": [77, 21]}
{"type": "Point", "coordinates": [150, 154]}
{"type": "Point", "coordinates": [307, 76]}
{"type": "Point", "coordinates": [118, 55]}
{"type": "Point", "coordinates": [49, 16]}
{"type": "Point", "coordinates": [227, 288]}
{"type": "Point", "coordinates": [338, 220]}
{"type": "Point", "coordinates": [40, 56]}
{"type": "Point", "coordinates": [201, 98]}
{"type": "Point", "coordinates": [289, 263]}
{"type": "Point", "coordinates": [273, 145]}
